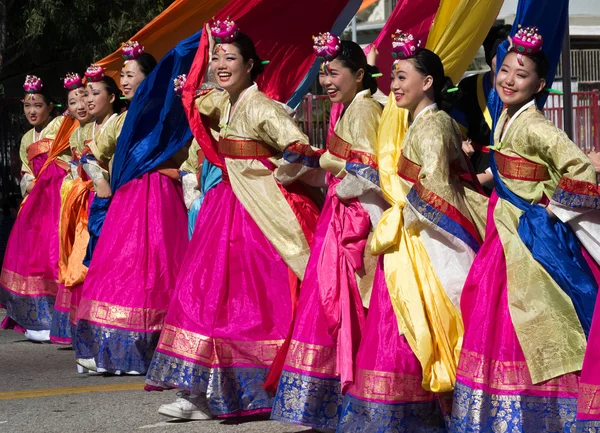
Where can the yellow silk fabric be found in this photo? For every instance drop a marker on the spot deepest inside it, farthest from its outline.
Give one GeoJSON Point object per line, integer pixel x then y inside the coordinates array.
{"type": "Point", "coordinates": [543, 315]}
{"type": "Point", "coordinates": [458, 30]}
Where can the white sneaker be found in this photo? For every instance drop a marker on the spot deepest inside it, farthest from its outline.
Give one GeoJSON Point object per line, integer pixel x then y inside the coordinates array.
{"type": "Point", "coordinates": [187, 407]}
{"type": "Point", "coordinates": [39, 336]}
{"type": "Point", "coordinates": [88, 363]}
{"type": "Point", "coordinates": [81, 370]}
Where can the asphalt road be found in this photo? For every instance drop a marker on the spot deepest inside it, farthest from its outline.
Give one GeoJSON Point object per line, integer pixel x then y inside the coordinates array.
{"type": "Point", "coordinates": [40, 391]}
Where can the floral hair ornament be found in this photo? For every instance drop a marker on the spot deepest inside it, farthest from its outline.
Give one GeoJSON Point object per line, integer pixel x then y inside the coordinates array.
{"type": "Point", "coordinates": [527, 41]}
{"type": "Point", "coordinates": [33, 85]}
{"type": "Point", "coordinates": [404, 46]}
{"type": "Point", "coordinates": [72, 81]}
{"type": "Point", "coordinates": [94, 73]}
{"type": "Point", "coordinates": [178, 83]}
{"type": "Point", "coordinates": [224, 32]}
{"type": "Point", "coordinates": [327, 46]}
{"type": "Point", "coordinates": [132, 50]}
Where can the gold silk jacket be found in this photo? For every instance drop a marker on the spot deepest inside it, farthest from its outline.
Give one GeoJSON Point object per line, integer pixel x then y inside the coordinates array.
{"type": "Point", "coordinates": [255, 133]}
{"type": "Point", "coordinates": [538, 162]}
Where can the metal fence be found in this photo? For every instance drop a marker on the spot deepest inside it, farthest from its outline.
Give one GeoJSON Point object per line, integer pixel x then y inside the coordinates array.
{"type": "Point", "coordinates": [586, 117]}
{"type": "Point", "coordinates": [585, 65]}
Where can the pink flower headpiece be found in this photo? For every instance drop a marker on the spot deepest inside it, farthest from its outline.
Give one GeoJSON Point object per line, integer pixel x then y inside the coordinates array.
{"type": "Point", "coordinates": [526, 42]}
{"type": "Point", "coordinates": [404, 45]}
{"type": "Point", "coordinates": [327, 46]}
{"type": "Point", "coordinates": [33, 84]}
{"type": "Point", "coordinates": [132, 50]}
{"type": "Point", "coordinates": [72, 81]}
{"type": "Point", "coordinates": [178, 83]}
{"type": "Point", "coordinates": [224, 32]}
{"type": "Point", "coordinates": [94, 73]}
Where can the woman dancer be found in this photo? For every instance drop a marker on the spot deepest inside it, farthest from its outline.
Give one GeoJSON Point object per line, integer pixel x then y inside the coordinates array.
{"type": "Point", "coordinates": [529, 297]}
{"type": "Point", "coordinates": [232, 308]}
{"type": "Point", "coordinates": [60, 333]}
{"type": "Point", "coordinates": [408, 354]}
{"type": "Point", "coordinates": [330, 315]}
{"type": "Point", "coordinates": [134, 267]}
{"type": "Point", "coordinates": [28, 284]}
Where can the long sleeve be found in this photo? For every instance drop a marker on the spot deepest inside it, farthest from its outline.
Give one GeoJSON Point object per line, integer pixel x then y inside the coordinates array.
{"type": "Point", "coordinates": [277, 129]}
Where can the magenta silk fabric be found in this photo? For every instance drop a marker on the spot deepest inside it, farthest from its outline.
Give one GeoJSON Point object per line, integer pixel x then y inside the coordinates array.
{"type": "Point", "coordinates": [233, 284]}
{"type": "Point", "coordinates": [490, 336]}
{"type": "Point", "coordinates": [588, 407]}
{"type": "Point", "coordinates": [32, 249]}
{"type": "Point", "coordinates": [341, 256]}
{"type": "Point", "coordinates": [138, 256]}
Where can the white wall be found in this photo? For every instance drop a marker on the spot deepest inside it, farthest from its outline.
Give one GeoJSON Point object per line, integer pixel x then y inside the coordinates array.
{"type": "Point", "coordinates": [576, 8]}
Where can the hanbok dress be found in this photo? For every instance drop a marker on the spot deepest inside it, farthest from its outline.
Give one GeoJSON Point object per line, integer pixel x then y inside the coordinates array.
{"type": "Point", "coordinates": [529, 298]}
{"type": "Point", "coordinates": [29, 279]}
{"type": "Point", "coordinates": [232, 305]}
{"type": "Point", "coordinates": [408, 354]}
{"type": "Point", "coordinates": [132, 273]}
{"type": "Point", "coordinates": [339, 277]}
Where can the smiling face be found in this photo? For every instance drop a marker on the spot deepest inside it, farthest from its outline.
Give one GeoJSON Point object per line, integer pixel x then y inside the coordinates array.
{"type": "Point", "coordinates": [131, 78]}
{"type": "Point", "coordinates": [77, 105]}
{"type": "Point", "coordinates": [232, 73]}
{"type": "Point", "coordinates": [36, 109]}
{"type": "Point", "coordinates": [99, 101]}
{"type": "Point", "coordinates": [409, 85]}
{"type": "Point", "coordinates": [340, 83]}
{"type": "Point", "coordinates": [518, 84]}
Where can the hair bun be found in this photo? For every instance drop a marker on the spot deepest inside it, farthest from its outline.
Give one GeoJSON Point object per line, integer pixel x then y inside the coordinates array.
{"type": "Point", "coordinates": [450, 95]}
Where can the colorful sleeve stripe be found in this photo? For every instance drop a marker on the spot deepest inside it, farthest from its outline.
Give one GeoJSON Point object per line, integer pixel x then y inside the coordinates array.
{"type": "Point", "coordinates": [577, 194]}
{"type": "Point", "coordinates": [299, 153]}
{"type": "Point", "coordinates": [444, 215]}
{"type": "Point", "coordinates": [363, 170]}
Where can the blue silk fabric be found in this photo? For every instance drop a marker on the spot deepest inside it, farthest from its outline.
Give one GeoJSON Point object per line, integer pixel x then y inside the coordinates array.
{"type": "Point", "coordinates": [553, 245]}
{"type": "Point", "coordinates": [154, 130]}
{"type": "Point", "coordinates": [209, 178]}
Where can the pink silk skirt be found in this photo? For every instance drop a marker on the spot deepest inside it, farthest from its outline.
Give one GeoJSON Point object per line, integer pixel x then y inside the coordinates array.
{"type": "Point", "coordinates": [494, 390]}
{"type": "Point", "coordinates": [588, 402]}
{"type": "Point", "coordinates": [132, 275]}
{"type": "Point", "coordinates": [387, 394]}
{"type": "Point", "coordinates": [230, 313]}
{"type": "Point", "coordinates": [329, 318]}
{"type": "Point", "coordinates": [29, 279]}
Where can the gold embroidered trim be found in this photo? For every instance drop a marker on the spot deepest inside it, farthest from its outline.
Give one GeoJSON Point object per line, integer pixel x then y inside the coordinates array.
{"type": "Point", "coordinates": [104, 313]}
{"type": "Point", "coordinates": [28, 286]}
{"type": "Point", "coordinates": [212, 351]}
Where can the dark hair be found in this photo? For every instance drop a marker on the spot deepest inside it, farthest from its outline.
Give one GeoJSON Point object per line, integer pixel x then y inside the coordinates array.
{"type": "Point", "coordinates": [146, 63]}
{"type": "Point", "coordinates": [248, 52]}
{"type": "Point", "coordinates": [542, 67]}
{"type": "Point", "coordinates": [111, 87]}
{"type": "Point", "coordinates": [353, 57]}
{"type": "Point", "coordinates": [429, 63]}
{"type": "Point", "coordinates": [497, 34]}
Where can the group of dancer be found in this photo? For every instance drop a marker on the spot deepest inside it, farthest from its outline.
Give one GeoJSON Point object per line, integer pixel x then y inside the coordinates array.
{"type": "Point", "coordinates": [396, 308]}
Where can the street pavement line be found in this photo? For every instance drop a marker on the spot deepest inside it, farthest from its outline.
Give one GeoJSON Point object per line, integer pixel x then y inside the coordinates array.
{"type": "Point", "coordinates": [49, 392]}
